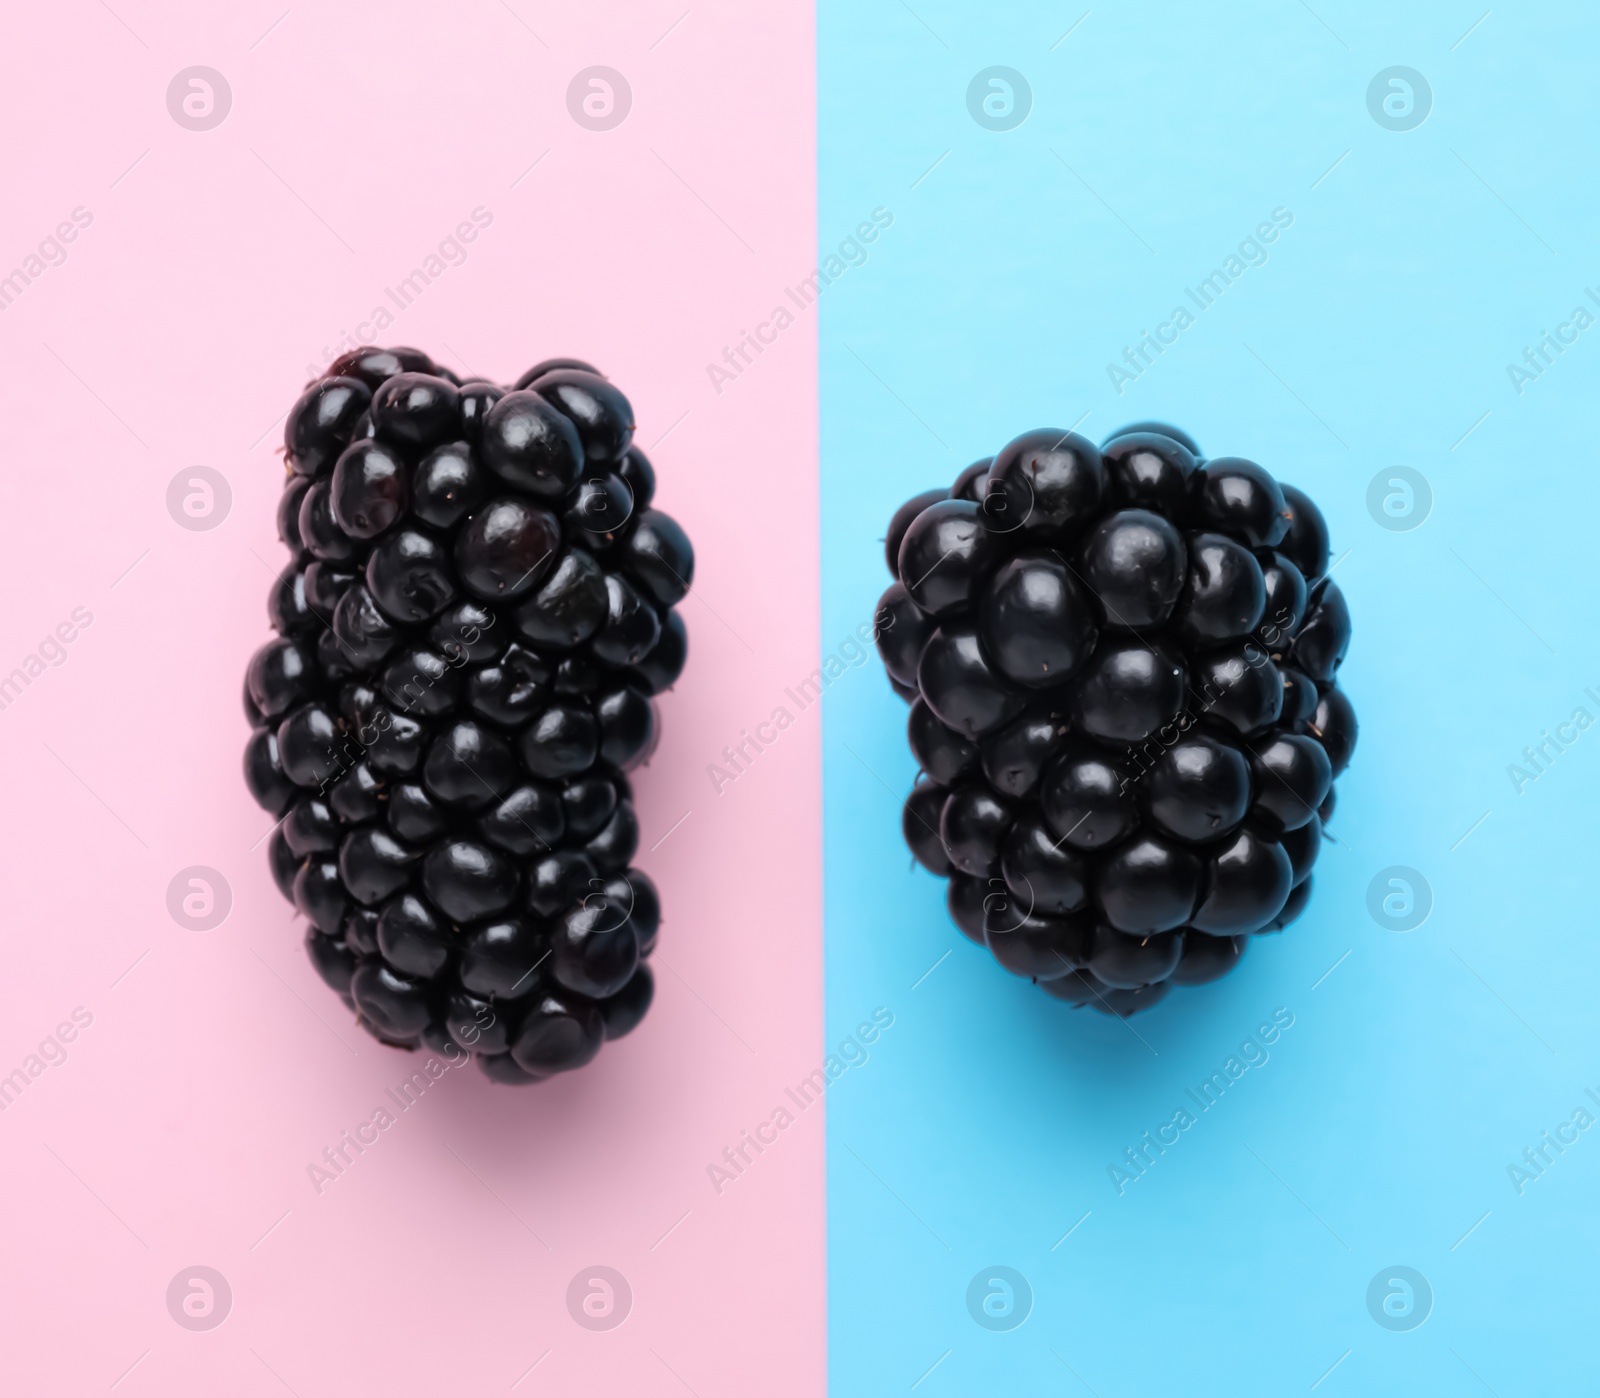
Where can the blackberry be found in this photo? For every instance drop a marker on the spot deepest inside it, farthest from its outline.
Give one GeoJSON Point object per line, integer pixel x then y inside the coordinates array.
{"type": "Point", "coordinates": [1121, 663]}
{"type": "Point", "coordinates": [476, 619]}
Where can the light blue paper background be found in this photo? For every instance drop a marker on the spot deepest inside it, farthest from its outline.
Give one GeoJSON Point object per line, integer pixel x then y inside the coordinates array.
{"type": "Point", "coordinates": [1418, 265]}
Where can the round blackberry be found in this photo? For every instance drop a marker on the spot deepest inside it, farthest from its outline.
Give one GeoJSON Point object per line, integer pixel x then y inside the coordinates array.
{"type": "Point", "coordinates": [1121, 663]}
{"type": "Point", "coordinates": [475, 621]}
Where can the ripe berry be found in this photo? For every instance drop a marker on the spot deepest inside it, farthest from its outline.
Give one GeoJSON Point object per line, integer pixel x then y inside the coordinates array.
{"type": "Point", "coordinates": [531, 446]}
{"type": "Point", "coordinates": [505, 547]}
{"type": "Point", "coordinates": [1225, 595]}
{"type": "Point", "coordinates": [961, 688]}
{"type": "Point", "coordinates": [1198, 789]}
{"type": "Point", "coordinates": [370, 489]}
{"type": "Point", "coordinates": [943, 554]}
{"type": "Point", "coordinates": [1045, 482]}
{"type": "Point", "coordinates": [416, 410]}
{"type": "Point", "coordinates": [449, 483]}
{"type": "Point", "coordinates": [1036, 620]}
{"type": "Point", "coordinates": [1121, 669]}
{"type": "Point", "coordinates": [1237, 496]}
{"type": "Point", "coordinates": [319, 424]}
{"type": "Point", "coordinates": [1149, 471]}
{"type": "Point", "coordinates": [479, 607]}
{"type": "Point", "coordinates": [659, 555]}
{"type": "Point", "coordinates": [603, 417]}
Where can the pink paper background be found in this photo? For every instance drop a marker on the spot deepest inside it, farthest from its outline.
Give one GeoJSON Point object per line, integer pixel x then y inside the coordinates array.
{"type": "Point", "coordinates": [175, 334]}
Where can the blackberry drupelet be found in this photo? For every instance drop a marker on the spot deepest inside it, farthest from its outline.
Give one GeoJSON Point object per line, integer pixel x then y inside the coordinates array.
{"type": "Point", "coordinates": [475, 622]}
{"type": "Point", "coordinates": [1121, 664]}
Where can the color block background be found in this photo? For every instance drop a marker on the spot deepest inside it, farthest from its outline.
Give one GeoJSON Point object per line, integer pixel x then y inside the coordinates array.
{"type": "Point", "coordinates": [1419, 1065]}
{"type": "Point", "coordinates": [176, 333]}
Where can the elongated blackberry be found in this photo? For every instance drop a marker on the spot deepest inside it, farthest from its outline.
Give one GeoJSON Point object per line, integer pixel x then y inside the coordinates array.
{"type": "Point", "coordinates": [474, 623]}
{"type": "Point", "coordinates": [1121, 663]}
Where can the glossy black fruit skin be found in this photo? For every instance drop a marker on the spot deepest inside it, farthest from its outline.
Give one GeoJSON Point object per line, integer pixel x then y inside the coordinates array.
{"type": "Point", "coordinates": [1135, 563]}
{"type": "Point", "coordinates": [1126, 691]}
{"type": "Point", "coordinates": [901, 634]}
{"type": "Point", "coordinates": [1247, 883]}
{"type": "Point", "coordinates": [631, 628]}
{"type": "Point", "coordinates": [416, 410]}
{"type": "Point", "coordinates": [477, 398]}
{"type": "Point", "coordinates": [1198, 790]}
{"type": "Point", "coordinates": [598, 510]}
{"type": "Point", "coordinates": [1122, 706]}
{"type": "Point", "coordinates": [959, 685]}
{"type": "Point", "coordinates": [658, 555]}
{"type": "Point", "coordinates": [570, 606]}
{"type": "Point", "coordinates": [370, 490]}
{"type": "Point", "coordinates": [468, 880]}
{"type": "Point", "coordinates": [1126, 962]}
{"type": "Point", "coordinates": [510, 689]}
{"type": "Point", "coordinates": [561, 1031]}
{"type": "Point", "coordinates": [1324, 636]}
{"type": "Point", "coordinates": [531, 446]}
{"type": "Point", "coordinates": [658, 671]}
{"type": "Point", "coordinates": [1036, 620]}
{"type": "Point", "coordinates": [1292, 777]}
{"type": "Point", "coordinates": [972, 826]}
{"type": "Point", "coordinates": [448, 485]}
{"type": "Point", "coordinates": [545, 366]}
{"type": "Point", "coordinates": [1305, 542]}
{"type": "Point", "coordinates": [943, 754]}
{"type": "Point", "coordinates": [395, 1005]}
{"type": "Point", "coordinates": [1043, 873]}
{"type": "Point", "coordinates": [1333, 724]}
{"type": "Point", "coordinates": [1156, 429]}
{"type": "Point", "coordinates": [639, 476]}
{"type": "Point", "coordinates": [409, 578]}
{"type": "Point", "coordinates": [944, 555]}
{"type": "Point", "coordinates": [1239, 687]}
{"type": "Point", "coordinates": [902, 522]}
{"type": "Point", "coordinates": [1086, 799]}
{"type": "Point", "coordinates": [1014, 758]}
{"type": "Point", "coordinates": [594, 948]}
{"type": "Point", "coordinates": [624, 1011]}
{"type": "Point", "coordinates": [1237, 496]}
{"type": "Point", "coordinates": [919, 823]}
{"type": "Point", "coordinates": [319, 530]}
{"type": "Point", "coordinates": [1207, 959]}
{"type": "Point", "coordinates": [1045, 482]}
{"type": "Point", "coordinates": [413, 939]}
{"type": "Point", "coordinates": [602, 416]}
{"type": "Point", "coordinates": [967, 899]}
{"type": "Point", "coordinates": [319, 423]}
{"type": "Point", "coordinates": [1225, 595]}
{"type": "Point", "coordinates": [1285, 606]}
{"type": "Point", "coordinates": [505, 547]}
{"type": "Point", "coordinates": [264, 774]}
{"type": "Point", "coordinates": [1033, 945]}
{"type": "Point", "coordinates": [1148, 885]}
{"type": "Point", "coordinates": [1149, 471]}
